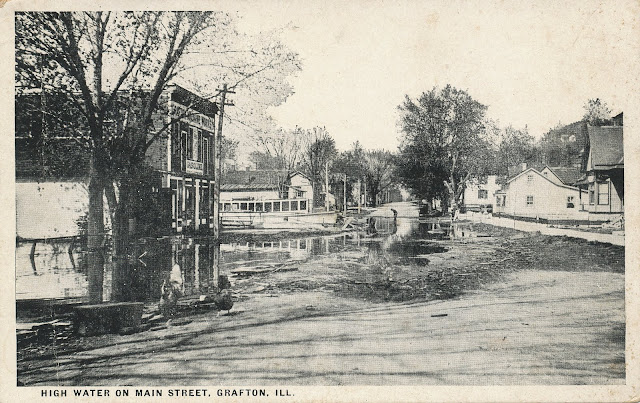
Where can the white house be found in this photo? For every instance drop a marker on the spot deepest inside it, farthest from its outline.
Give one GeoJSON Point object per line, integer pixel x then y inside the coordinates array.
{"type": "Point", "coordinates": [480, 194]}
{"type": "Point", "coordinates": [533, 195]}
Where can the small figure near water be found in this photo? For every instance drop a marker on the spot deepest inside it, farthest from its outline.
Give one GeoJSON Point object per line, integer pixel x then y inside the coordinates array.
{"type": "Point", "coordinates": [371, 227]}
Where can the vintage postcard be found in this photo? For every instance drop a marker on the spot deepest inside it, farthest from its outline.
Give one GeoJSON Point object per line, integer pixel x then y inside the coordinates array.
{"type": "Point", "coordinates": [290, 201]}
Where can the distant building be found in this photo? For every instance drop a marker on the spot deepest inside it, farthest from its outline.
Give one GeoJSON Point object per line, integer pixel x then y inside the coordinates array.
{"type": "Point", "coordinates": [479, 194]}
{"type": "Point", "coordinates": [565, 145]}
{"type": "Point", "coordinates": [270, 199]}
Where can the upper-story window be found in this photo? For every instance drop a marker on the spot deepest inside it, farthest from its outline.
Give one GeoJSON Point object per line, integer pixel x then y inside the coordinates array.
{"type": "Point", "coordinates": [530, 178]}
{"type": "Point", "coordinates": [483, 194]}
{"type": "Point", "coordinates": [194, 144]}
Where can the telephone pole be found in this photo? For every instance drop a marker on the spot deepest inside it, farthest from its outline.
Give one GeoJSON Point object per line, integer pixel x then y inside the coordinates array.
{"type": "Point", "coordinates": [218, 161]}
{"type": "Point", "coordinates": [326, 185]}
{"type": "Point", "coordinates": [344, 202]}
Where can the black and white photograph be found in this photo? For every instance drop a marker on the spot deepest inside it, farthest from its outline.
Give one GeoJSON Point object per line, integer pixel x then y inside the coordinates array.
{"type": "Point", "coordinates": [290, 200]}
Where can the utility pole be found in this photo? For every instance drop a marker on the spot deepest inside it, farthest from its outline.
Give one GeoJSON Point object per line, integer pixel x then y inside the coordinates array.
{"type": "Point", "coordinates": [365, 193]}
{"type": "Point", "coordinates": [345, 195]}
{"type": "Point", "coordinates": [326, 185]}
{"type": "Point", "coordinates": [359, 197]}
{"type": "Point", "coordinates": [218, 162]}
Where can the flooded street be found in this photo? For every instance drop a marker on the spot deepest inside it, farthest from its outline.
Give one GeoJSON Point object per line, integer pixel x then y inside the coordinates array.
{"type": "Point", "coordinates": [61, 266]}
{"type": "Point", "coordinates": [409, 303]}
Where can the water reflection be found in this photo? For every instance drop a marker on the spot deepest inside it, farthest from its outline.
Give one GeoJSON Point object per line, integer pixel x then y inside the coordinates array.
{"type": "Point", "coordinates": [58, 269]}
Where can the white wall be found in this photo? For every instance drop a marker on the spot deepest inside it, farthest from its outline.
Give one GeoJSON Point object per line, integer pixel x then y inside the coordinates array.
{"type": "Point", "coordinates": [302, 183]}
{"type": "Point", "coordinates": [471, 192]}
{"type": "Point", "coordinates": [49, 209]}
{"type": "Point", "coordinates": [257, 195]}
{"type": "Point", "coordinates": [549, 199]}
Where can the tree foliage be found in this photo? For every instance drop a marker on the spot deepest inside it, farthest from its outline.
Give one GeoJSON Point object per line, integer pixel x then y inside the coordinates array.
{"type": "Point", "coordinates": [596, 112]}
{"type": "Point", "coordinates": [516, 146]}
{"type": "Point", "coordinates": [318, 151]}
{"type": "Point", "coordinates": [113, 67]}
{"type": "Point", "coordinates": [444, 141]}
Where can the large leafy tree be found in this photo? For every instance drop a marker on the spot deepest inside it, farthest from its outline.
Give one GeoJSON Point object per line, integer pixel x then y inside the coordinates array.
{"type": "Point", "coordinates": [516, 146]}
{"type": "Point", "coordinates": [113, 67]}
{"type": "Point", "coordinates": [277, 149]}
{"type": "Point", "coordinates": [380, 172]}
{"type": "Point", "coordinates": [352, 164]}
{"type": "Point", "coordinates": [444, 143]}
{"type": "Point", "coordinates": [318, 151]}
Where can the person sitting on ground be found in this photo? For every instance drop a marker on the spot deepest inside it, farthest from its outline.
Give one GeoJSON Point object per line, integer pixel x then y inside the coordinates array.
{"type": "Point", "coordinates": [172, 289]}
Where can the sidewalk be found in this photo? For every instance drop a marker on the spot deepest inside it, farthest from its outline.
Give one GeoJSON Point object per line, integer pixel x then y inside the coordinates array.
{"type": "Point", "coordinates": [546, 230]}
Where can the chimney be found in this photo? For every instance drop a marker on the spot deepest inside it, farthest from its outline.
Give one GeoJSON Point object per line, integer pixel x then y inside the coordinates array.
{"type": "Point", "coordinates": [523, 167]}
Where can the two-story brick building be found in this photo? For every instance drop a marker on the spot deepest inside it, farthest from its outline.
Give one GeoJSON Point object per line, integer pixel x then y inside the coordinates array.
{"type": "Point", "coordinates": [185, 160]}
{"type": "Point", "coordinates": [51, 165]}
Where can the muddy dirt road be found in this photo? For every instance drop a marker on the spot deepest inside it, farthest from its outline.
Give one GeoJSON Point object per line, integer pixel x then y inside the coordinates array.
{"type": "Point", "coordinates": [490, 306]}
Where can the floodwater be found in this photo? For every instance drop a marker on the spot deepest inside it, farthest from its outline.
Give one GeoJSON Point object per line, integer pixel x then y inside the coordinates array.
{"type": "Point", "coordinates": [57, 270]}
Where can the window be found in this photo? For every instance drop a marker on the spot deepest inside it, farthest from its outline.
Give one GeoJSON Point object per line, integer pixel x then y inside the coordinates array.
{"type": "Point", "coordinates": [188, 139]}
{"type": "Point", "coordinates": [300, 193]}
{"type": "Point", "coordinates": [285, 206]}
{"type": "Point", "coordinates": [227, 207]}
{"type": "Point", "coordinates": [258, 206]}
{"type": "Point", "coordinates": [504, 200]}
{"type": "Point", "coordinates": [276, 206]}
{"type": "Point", "coordinates": [294, 205]}
{"type": "Point", "coordinates": [530, 178]}
{"type": "Point", "coordinates": [570, 203]}
{"type": "Point", "coordinates": [267, 207]}
{"type": "Point", "coordinates": [235, 206]}
{"type": "Point", "coordinates": [483, 194]}
{"type": "Point", "coordinates": [243, 206]}
{"type": "Point", "coordinates": [603, 192]}
{"type": "Point", "coordinates": [529, 200]}
{"type": "Point", "coordinates": [592, 196]}
{"type": "Point", "coordinates": [205, 153]}
{"type": "Point", "coordinates": [252, 206]}
{"type": "Point", "coordinates": [303, 205]}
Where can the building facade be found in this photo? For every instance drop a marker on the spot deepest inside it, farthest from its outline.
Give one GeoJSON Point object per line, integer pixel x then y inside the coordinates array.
{"type": "Point", "coordinates": [479, 194]}
{"type": "Point", "coordinates": [185, 161]}
{"type": "Point", "coordinates": [52, 165]}
{"type": "Point", "coordinates": [603, 179]}
{"type": "Point", "coordinates": [534, 196]}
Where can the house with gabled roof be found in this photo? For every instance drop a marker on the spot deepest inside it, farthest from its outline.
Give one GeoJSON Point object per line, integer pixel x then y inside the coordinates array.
{"type": "Point", "coordinates": [562, 175]}
{"type": "Point", "coordinates": [603, 178]}
{"type": "Point", "coordinates": [536, 196]}
{"type": "Point", "coordinates": [265, 184]}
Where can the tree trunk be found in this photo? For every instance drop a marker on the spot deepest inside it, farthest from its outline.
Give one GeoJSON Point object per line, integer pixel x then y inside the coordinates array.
{"type": "Point", "coordinates": [121, 289]}
{"type": "Point", "coordinates": [95, 233]}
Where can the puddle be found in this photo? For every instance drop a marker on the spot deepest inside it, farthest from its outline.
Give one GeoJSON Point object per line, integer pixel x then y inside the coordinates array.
{"type": "Point", "coordinates": [58, 269]}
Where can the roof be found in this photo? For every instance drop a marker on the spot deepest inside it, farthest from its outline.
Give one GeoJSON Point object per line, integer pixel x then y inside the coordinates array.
{"type": "Point", "coordinates": [233, 187]}
{"type": "Point", "coordinates": [606, 147]}
{"type": "Point", "coordinates": [187, 98]}
{"type": "Point", "coordinates": [262, 177]}
{"type": "Point", "coordinates": [567, 175]}
{"type": "Point", "coordinates": [541, 175]}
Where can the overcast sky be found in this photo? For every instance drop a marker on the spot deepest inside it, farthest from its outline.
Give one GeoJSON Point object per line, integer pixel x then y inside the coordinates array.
{"type": "Point", "coordinates": [533, 65]}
